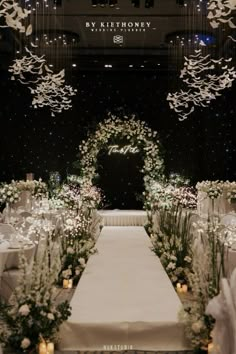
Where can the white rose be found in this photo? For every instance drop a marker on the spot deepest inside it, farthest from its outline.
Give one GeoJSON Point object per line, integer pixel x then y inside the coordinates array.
{"type": "Point", "coordinates": [50, 316]}
{"type": "Point", "coordinates": [25, 343]}
{"type": "Point", "coordinates": [24, 310]}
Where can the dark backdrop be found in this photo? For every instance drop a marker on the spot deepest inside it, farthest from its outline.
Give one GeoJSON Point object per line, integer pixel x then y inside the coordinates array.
{"type": "Point", "coordinates": [202, 147]}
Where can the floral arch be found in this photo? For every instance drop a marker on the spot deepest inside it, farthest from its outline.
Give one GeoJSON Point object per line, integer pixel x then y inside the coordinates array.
{"type": "Point", "coordinates": [136, 132]}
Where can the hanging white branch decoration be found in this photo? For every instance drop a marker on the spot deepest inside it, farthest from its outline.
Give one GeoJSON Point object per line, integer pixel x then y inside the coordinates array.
{"type": "Point", "coordinates": [30, 66]}
{"type": "Point", "coordinates": [219, 11]}
{"type": "Point", "coordinates": [14, 16]}
{"type": "Point", "coordinates": [51, 91]}
{"type": "Point", "coordinates": [202, 85]}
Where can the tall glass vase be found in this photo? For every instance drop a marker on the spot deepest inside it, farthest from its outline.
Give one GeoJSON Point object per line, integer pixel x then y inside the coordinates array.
{"type": "Point", "coordinates": [8, 213]}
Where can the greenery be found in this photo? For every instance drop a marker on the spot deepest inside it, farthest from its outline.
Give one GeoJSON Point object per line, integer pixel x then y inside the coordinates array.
{"type": "Point", "coordinates": [207, 269]}
{"type": "Point", "coordinates": [77, 244]}
{"type": "Point", "coordinates": [32, 311]}
{"type": "Point", "coordinates": [172, 243]}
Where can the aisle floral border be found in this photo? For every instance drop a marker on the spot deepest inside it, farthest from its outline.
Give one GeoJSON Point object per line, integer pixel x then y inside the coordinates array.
{"type": "Point", "coordinates": [137, 133]}
{"type": "Point", "coordinates": [215, 189]}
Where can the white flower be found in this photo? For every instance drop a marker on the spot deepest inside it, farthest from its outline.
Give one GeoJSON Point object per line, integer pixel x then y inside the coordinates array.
{"type": "Point", "coordinates": [171, 265]}
{"type": "Point", "coordinates": [82, 262]}
{"type": "Point", "coordinates": [50, 316]}
{"type": "Point", "coordinates": [70, 250]}
{"type": "Point", "coordinates": [24, 310]}
{"type": "Point", "coordinates": [173, 258]}
{"type": "Point", "coordinates": [25, 343]}
{"type": "Point", "coordinates": [197, 326]}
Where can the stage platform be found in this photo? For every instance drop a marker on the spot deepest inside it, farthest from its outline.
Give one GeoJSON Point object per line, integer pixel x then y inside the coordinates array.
{"type": "Point", "coordinates": [124, 299]}
{"type": "Point", "coordinates": [118, 217]}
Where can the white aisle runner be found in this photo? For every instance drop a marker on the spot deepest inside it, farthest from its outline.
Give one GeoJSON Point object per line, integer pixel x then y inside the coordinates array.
{"type": "Point", "coordinates": [124, 298]}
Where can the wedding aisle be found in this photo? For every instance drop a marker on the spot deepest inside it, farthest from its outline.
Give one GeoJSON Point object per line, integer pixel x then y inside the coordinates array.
{"type": "Point", "coordinates": [124, 299]}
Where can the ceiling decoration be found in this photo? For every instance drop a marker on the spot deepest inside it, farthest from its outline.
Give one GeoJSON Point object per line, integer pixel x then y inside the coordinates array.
{"type": "Point", "coordinates": [15, 16]}
{"type": "Point", "coordinates": [28, 69]}
{"type": "Point", "coordinates": [48, 89]}
{"type": "Point", "coordinates": [202, 81]}
{"type": "Point", "coordinates": [52, 92]}
{"type": "Point", "coordinates": [220, 11]}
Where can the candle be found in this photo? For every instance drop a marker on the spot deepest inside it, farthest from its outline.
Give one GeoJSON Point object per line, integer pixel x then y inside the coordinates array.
{"type": "Point", "coordinates": [42, 348]}
{"type": "Point", "coordinates": [210, 348]}
{"type": "Point", "coordinates": [179, 288]}
{"type": "Point", "coordinates": [70, 283]}
{"type": "Point", "coordinates": [185, 288]}
{"type": "Point", "coordinates": [65, 283]}
{"type": "Point", "coordinates": [50, 348]}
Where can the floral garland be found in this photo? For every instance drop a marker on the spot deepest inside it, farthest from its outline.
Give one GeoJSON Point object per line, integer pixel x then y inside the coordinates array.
{"type": "Point", "coordinates": [136, 132]}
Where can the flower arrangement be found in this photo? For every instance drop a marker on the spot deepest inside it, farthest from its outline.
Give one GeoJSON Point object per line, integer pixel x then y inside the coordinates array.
{"type": "Point", "coordinates": [163, 195]}
{"type": "Point", "coordinates": [9, 193]}
{"type": "Point", "coordinates": [185, 197]}
{"type": "Point", "coordinates": [25, 186]}
{"type": "Point", "coordinates": [231, 192]}
{"type": "Point", "coordinates": [172, 243]}
{"type": "Point", "coordinates": [177, 180]}
{"type": "Point", "coordinates": [32, 311]}
{"type": "Point", "coordinates": [207, 270]}
{"type": "Point", "coordinates": [54, 182]}
{"type": "Point", "coordinates": [77, 244]}
{"type": "Point", "coordinates": [56, 203]}
{"type": "Point", "coordinates": [40, 189]}
{"type": "Point", "coordinates": [90, 195]}
{"type": "Point", "coordinates": [158, 196]}
{"type": "Point", "coordinates": [213, 189]}
{"type": "Point", "coordinates": [135, 132]}
{"type": "Point", "coordinates": [75, 196]}
{"type": "Point", "coordinates": [70, 196]}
